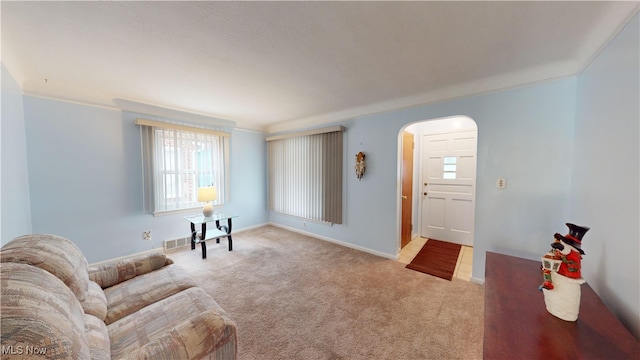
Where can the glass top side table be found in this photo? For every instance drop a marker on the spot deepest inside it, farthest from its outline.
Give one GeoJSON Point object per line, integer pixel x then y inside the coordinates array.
{"type": "Point", "coordinates": [220, 231]}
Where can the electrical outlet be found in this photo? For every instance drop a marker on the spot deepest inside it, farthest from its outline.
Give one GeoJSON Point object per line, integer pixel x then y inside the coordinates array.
{"type": "Point", "coordinates": [146, 235]}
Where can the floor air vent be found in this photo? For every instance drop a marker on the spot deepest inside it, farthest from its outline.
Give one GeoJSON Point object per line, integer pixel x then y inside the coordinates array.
{"type": "Point", "coordinates": [176, 243]}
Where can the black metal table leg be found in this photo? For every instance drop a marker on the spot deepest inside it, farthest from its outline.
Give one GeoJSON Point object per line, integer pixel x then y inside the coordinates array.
{"type": "Point", "coordinates": [218, 227]}
{"type": "Point", "coordinates": [193, 236]}
{"type": "Point", "coordinates": [229, 234]}
{"type": "Point", "coordinates": [204, 249]}
{"type": "Point", "coordinates": [204, 243]}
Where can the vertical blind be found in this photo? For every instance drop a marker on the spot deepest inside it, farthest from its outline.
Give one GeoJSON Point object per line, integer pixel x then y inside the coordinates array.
{"type": "Point", "coordinates": [305, 175]}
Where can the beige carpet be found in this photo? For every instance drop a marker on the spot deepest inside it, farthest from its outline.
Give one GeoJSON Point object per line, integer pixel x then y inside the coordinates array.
{"type": "Point", "coordinates": [296, 297]}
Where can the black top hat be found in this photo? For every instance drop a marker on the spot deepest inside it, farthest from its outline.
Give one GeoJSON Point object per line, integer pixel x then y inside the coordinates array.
{"type": "Point", "coordinates": [574, 237]}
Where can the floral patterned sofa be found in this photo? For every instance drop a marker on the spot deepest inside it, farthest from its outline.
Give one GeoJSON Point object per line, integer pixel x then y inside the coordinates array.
{"type": "Point", "coordinates": [53, 306]}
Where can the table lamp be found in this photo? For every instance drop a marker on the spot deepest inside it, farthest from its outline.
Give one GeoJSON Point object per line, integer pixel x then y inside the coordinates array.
{"type": "Point", "coordinates": [206, 194]}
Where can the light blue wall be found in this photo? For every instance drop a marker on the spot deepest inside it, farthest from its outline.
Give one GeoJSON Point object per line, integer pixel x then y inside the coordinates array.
{"type": "Point", "coordinates": [605, 190]}
{"type": "Point", "coordinates": [86, 180]}
{"type": "Point", "coordinates": [15, 212]}
{"type": "Point", "coordinates": [524, 135]}
{"type": "Point", "coordinates": [248, 196]}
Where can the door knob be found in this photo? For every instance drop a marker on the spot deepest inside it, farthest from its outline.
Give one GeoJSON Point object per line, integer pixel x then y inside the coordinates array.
{"type": "Point", "coordinates": [425, 193]}
{"type": "Point", "coordinates": [404, 197]}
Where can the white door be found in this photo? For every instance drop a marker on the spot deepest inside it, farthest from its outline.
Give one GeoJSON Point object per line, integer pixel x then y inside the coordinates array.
{"type": "Point", "coordinates": [448, 186]}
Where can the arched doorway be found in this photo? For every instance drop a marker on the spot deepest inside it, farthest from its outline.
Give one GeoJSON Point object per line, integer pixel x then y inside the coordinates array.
{"type": "Point", "coordinates": [443, 190]}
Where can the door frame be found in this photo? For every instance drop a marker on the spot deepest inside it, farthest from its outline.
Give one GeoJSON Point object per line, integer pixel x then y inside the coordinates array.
{"type": "Point", "coordinates": [456, 121]}
{"type": "Point", "coordinates": [408, 162]}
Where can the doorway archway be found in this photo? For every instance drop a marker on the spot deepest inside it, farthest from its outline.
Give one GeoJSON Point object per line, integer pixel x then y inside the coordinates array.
{"type": "Point", "coordinates": [443, 204]}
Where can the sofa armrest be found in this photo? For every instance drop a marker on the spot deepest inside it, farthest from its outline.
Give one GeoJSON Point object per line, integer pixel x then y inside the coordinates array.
{"type": "Point", "coordinates": [107, 275]}
{"type": "Point", "coordinates": [186, 325]}
{"type": "Point", "coordinates": [205, 336]}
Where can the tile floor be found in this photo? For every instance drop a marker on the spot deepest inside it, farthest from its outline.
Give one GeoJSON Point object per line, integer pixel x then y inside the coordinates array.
{"type": "Point", "coordinates": [463, 267]}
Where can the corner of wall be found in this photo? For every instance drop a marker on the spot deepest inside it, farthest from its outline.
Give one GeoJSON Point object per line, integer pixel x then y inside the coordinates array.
{"type": "Point", "coordinates": [15, 212]}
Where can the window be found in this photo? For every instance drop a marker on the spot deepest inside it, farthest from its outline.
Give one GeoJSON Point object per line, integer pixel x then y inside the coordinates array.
{"type": "Point", "coordinates": [177, 161]}
{"type": "Point", "coordinates": [305, 174]}
{"type": "Point", "coordinates": [449, 167]}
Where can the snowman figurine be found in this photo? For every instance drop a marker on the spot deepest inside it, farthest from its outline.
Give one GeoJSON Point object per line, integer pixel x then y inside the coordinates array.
{"type": "Point", "coordinates": [568, 249]}
{"type": "Point", "coordinates": [565, 256]}
{"type": "Point", "coordinates": [562, 274]}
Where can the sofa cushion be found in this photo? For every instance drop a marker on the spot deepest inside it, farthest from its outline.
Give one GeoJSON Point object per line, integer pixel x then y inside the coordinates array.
{"type": "Point", "coordinates": [40, 314]}
{"type": "Point", "coordinates": [96, 302]}
{"type": "Point", "coordinates": [114, 273]}
{"type": "Point", "coordinates": [97, 338]}
{"type": "Point", "coordinates": [52, 253]}
{"type": "Point", "coordinates": [134, 294]}
{"type": "Point", "coordinates": [187, 325]}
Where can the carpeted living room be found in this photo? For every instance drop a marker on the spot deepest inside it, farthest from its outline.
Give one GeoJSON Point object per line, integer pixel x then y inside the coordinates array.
{"type": "Point", "coordinates": [319, 180]}
{"type": "Point", "coordinates": [298, 297]}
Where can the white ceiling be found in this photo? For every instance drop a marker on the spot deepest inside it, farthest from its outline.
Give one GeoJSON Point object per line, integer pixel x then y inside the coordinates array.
{"type": "Point", "coordinates": [272, 66]}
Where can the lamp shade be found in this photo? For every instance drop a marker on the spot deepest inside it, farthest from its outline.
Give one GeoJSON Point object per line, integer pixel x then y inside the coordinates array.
{"type": "Point", "coordinates": [208, 193]}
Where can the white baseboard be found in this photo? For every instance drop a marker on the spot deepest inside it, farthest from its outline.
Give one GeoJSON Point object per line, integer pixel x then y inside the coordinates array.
{"type": "Point", "coordinates": [127, 257]}
{"type": "Point", "coordinates": [249, 228]}
{"type": "Point", "coordinates": [161, 249]}
{"type": "Point", "coordinates": [320, 237]}
{"type": "Point", "coordinates": [338, 242]}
